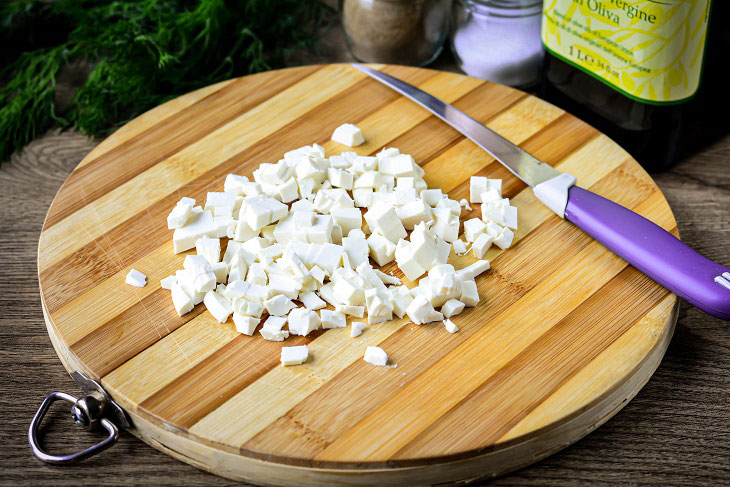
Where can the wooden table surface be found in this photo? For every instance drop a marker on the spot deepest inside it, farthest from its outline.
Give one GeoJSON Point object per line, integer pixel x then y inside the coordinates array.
{"type": "Point", "coordinates": [675, 432]}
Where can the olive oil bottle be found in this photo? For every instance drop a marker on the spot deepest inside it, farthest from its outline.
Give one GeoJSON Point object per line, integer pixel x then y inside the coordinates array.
{"type": "Point", "coordinates": [634, 70]}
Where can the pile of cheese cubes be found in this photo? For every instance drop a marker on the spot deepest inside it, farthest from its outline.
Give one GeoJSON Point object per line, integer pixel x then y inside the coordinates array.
{"type": "Point", "coordinates": [302, 233]}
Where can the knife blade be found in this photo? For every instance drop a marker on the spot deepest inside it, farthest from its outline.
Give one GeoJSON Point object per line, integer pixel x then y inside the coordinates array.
{"type": "Point", "coordinates": [520, 162]}
{"type": "Point", "coordinates": [643, 244]}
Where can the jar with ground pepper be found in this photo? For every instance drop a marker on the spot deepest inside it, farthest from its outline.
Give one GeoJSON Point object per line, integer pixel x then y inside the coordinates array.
{"type": "Point", "coordinates": [395, 31]}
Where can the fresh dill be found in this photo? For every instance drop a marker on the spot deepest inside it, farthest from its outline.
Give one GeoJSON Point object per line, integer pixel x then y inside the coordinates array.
{"type": "Point", "coordinates": [140, 52]}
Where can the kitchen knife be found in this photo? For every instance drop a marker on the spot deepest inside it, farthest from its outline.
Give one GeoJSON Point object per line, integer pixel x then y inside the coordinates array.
{"type": "Point", "coordinates": [643, 244]}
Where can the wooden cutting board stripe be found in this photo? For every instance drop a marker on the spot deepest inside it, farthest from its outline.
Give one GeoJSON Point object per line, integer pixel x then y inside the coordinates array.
{"type": "Point", "coordinates": [95, 256]}
{"type": "Point", "coordinates": [276, 123]}
{"type": "Point", "coordinates": [559, 307]}
{"type": "Point", "coordinates": [126, 160]}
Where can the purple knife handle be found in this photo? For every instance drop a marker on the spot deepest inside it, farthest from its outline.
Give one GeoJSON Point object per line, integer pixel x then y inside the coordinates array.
{"type": "Point", "coordinates": [652, 250]}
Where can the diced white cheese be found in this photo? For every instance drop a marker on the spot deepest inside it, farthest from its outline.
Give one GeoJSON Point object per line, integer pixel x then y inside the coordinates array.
{"type": "Point", "coordinates": [473, 270]}
{"type": "Point", "coordinates": [376, 356]}
{"type": "Point", "coordinates": [469, 293]}
{"type": "Point", "coordinates": [357, 328]}
{"type": "Point", "coordinates": [481, 245]}
{"type": "Point", "coordinates": [504, 239]}
{"type": "Point", "coordinates": [459, 247]}
{"type": "Point", "coordinates": [199, 225]}
{"type": "Point", "coordinates": [245, 324]}
{"type": "Point", "coordinates": [464, 204]}
{"type": "Point", "coordinates": [332, 319]}
{"type": "Point", "coordinates": [136, 278]}
{"type": "Point", "coordinates": [473, 228]}
{"type": "Point", "coordinates": [279, 305]}
{"type": "Point", "coordinates": [383, 218]}
{"type": "Point", "coordinates": [311, 301]}
{"type": "Point", "coordinates": [421, 312]}
{"type": "Point", "coordinates": [274, 335]}
{"type": "Point", "coordinates": [294, 355]}
{"type": "Point", "coordinates": [275, 322]}
{"type": "Point", "coordinates": [450, 326]}
{"type": "Point", "coordinates": [477, 186]}
{"type": "Point", "coordinates": [210, 248]}
{"type": "Point", "coordinates": [179, 215]}
{"type": "Point", "coordinates": [452, 307]}
{"type": "Point", "coordinates": [218, 306]}
{"type": "Point", "coordinates": [431, 196]}
{"type": "Point", "coordinates": [303, 321]}
{"type": "Point", "coordinates": [181, 301]}
{"type": "Point", "coordinates": [356, 311]}
{"type": "Point", "coordinates": [168, 282]}
{"type": "Point", "coordinates": [348, 134]}
{"type": "Point", "coordinates": [382, 250]}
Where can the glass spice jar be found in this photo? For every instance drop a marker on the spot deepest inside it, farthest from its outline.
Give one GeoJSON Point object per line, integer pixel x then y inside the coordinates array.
{"type": "Point", "coordinates": [498, 40]}
{"type": "Point", "coordinates": [408, 32]}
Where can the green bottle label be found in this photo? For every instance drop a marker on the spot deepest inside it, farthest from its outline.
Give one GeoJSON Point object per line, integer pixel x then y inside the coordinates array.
{"type": "Point", "coordinates": [649, 50]}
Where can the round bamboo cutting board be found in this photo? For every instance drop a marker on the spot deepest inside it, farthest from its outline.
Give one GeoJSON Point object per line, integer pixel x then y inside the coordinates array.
{"type": "Point", "coordinates": [566, 332]}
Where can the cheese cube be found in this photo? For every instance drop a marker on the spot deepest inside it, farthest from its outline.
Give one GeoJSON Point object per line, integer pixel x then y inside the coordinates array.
{"type": "Point", "coordinates": [384, 219]}
{"type": "Point", "coordinates": [363, 197]}
{"type": "Point", "coordinates": [329, 257]}
{"type": "Point", "coordinates": [459, 247]}
{"type": "Point", "coordinates": [347, 218]}
{"type": "Point", "coordinates": [332, 319]}
{"type": "Point", "coordinates": [168, 282]}
{"type": "Point", "coordinates": [186, 280]}
{"type": "Point", "coordinates": [493, 229]}
{"type": "Point", "coordinates": [279, 305]}
{"type": "Point", "coordinates": [311, 301]}
{"type": "Point", "coordinates": [234, 184]}
{"type": "Point", "coordinates": [473, 228]}
{"type": "Point", "coordinates": [357, 328]}
{"type": "Point", "coordinates": [356, 247]}
{"type": "Point", "coordinates": [348, 134]}
{"type": "Point", "coordinates": [376, 356]}
{"type": "Point", "coordinates": [473, 270]}
{"type": "Point", "coordinates": [504, 239]}
{"type": "Point", "coordinates": [431, 196]}
{"type": "Point", "coordinates": [477, 186]}
{"type": "Point", "coordinates": [356, 311]}
{"type": "Point", "coordinates": [181, 300]}
{"type": "Point", "coordinates": [275, 322]}
{"type": "Point", "coordinates": [398, 165]}
{"type": "Point", "coordinates": [382, 250]}
{"type": "Point", "coordinates": [220, 270]}
{"type": "Point", "coordinates": [243, 231]}
{"type": "Point", "coordinates": [362, 164]}
{"type": "Point", "coordinates": [218, 306]}
{"type": "Point", "coordinates": [469, 293]}
{"type": "Point", "coordinates": [224, 201]}
{"type": "Point", "coordinates": [378, 305]}
{"type": "Point", "coordinates": [274, 335]}
{"type": "Point", "coordinates": [450, 326]}
{"type": "Point", "coordinates": [481, 245]}
{"type": "Point", "coordinates": [179, 215]}
{"type": "Point", "coordinates": [136, 278]}
{"type": "Point", "coordinates": [447, 224]}
{"type": "Point", "coordinates": [257, 274]}
{"type": "Point", "coordinates": [210, 248]}
{"type": "Point", "coordinates": [414, 213]}
{"type": "Point", "coordinates": [464, 204]}
{"type": "Point", "coordinates": [407, 261]}
{"type": "Point", "coordinates": [421, 312]}
{"type": "Point", "coordinates": [199, 225]}
{"type": "Point", "coordinates": [303, 321]}
{"type": "Point", "coordinates": [453, 206]}
{"type": "Point", "coordinates": [288, 191]}
{"type": "Point", "coordinates": [317, 273]}
{"type": "Point", "coordinates": [340, 178]}
{"type": "Point", "coordinates": [509, 216]}
{"type": "Point", "coordinates": [452, 307]}
{"type": "Point", "coordinates": [245, 324]}
{"type": "Point", "coordinates": [294, 355]}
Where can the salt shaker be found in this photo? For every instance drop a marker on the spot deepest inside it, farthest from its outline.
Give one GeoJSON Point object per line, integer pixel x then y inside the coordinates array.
{"type": "Point", "coordinates": [498, 40]}
{"type": "Point", "coordinates": [409, 32]}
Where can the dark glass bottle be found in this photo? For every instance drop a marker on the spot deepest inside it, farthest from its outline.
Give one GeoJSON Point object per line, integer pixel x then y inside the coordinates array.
{"type": "Point", "coordinates": [656, 135]}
